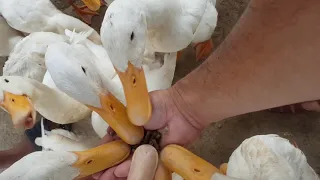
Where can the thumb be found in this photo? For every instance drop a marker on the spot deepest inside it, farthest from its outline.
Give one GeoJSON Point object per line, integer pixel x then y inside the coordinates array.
{"type": "Point", "coordinates": [169, 121]}
{"type": "Point", "coordinates": [159, 105]}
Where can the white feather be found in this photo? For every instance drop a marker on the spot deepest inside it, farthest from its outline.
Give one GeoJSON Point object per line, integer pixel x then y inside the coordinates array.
{"type": "Point", "coordinates": [43, 165]}
{"type": "Point", "coordinates": [269, 157]}
{"type": "Point", "coordinates": [27, 57]}
{"type": "Point", "coordinates": [99, 125]}
{"type": "Point", "coordinates": [41, 15]}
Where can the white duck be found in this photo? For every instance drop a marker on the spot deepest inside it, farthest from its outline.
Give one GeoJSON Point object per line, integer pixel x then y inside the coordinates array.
{"type": "Point", "coordinates": [27, 57]}
{"type": "Point", "coordinates": [62, 165]}
{"type": "Point", "coordinates": [73, 72]}
{"type": "Point", "coordinates": [269, 157]}
{"type": "Point", "coordinates": [27, 60]}
{"type": "Point", "coordinates": [261, 157]}
{"type": "Point", "coordinates": [132, 26]}
{"type": "Point", "coordinates": [9, 37]}
{"type": "Point", "coordinates": [91, 79]}
{"type": "Point", "coordinates": [41, 15]}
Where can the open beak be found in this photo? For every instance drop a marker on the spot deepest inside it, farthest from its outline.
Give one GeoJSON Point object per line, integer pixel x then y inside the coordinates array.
{"type": "Point", "coordinates": [136, 92]}
{"type": "Point", "coordinates": [114, 113]}
{"type": "Point", "coordinates": [101, 157]}
{"type": "Point", "coordinates": [21, 110]}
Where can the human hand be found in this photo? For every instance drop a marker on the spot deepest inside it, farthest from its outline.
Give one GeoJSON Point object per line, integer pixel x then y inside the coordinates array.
{"type": "Point", "coordinates": [169, 119]}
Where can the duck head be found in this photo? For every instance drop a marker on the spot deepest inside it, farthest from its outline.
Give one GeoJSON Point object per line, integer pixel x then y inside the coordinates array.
{"type": "Point", "coordinates": [15, 99]}
{"type": "Point", "coordinates": [123, 35]}
{"type": "Point", "coordinates": [73, 70]}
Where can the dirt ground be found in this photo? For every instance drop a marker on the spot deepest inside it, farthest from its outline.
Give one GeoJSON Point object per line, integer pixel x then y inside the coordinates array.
{"type": "Point", "coordinates": [220, 139]}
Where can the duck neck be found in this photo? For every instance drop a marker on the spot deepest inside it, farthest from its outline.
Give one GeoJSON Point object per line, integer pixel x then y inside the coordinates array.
{"type": "Point", "coordinates": [54, 104]}
{"type": "Point", "coordinates": [13, 41]}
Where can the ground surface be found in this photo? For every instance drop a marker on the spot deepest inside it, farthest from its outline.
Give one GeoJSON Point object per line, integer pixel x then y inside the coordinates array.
{"type": "Point", "coordinates": [220, 139]}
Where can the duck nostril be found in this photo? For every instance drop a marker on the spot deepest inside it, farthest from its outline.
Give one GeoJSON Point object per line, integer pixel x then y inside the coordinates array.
{"type": "Point", "coordinates": [89, 162]}
{"type": "Point", "coordinates": [196, 170]}
{"type": "Point", "coordinates": [134, 81]}
{"type": "Point", "coordinates": [112, 108]}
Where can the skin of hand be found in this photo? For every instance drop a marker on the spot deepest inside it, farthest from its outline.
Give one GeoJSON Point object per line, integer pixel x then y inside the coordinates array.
{"type": "Point", "coordinates": [168, 118]}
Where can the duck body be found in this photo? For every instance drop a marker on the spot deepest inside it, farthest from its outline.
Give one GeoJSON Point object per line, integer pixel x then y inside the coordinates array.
{"type": "Point", "coordinates": [81, 137]}
{"type": "Point", "coordinates": [161, 77]}
{"type": "Point", "coordinates": [27, 57]}
{"type": "Point", "coordinates": [40, 15]}
{"type": "Point", "coordinates": [269, 157]}
{"type": "Point", "coordinates": [182, 22]}
{"type": "Point", "coordinates": [9, 37]}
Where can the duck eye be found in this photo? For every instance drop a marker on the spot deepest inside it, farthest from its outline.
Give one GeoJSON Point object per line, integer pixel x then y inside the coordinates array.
{"type": "Point", "coordinates": [132, 36]}
{"type": "Point", "coordinates": [6, 80]}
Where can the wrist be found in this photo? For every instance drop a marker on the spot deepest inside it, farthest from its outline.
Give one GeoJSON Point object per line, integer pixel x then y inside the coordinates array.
{"type": "Point", "coordinates": [185, 104]}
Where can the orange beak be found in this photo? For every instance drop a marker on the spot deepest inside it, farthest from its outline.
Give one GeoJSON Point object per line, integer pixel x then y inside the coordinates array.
{"type": "Point", "coordinates": [114, 113]}
{"type": "Point", "coordinates": [21, 110]}
{"type": "Point", "coordinates": [93, 5]}
{"type": "Point", "coordinates": [101, 157]}
{"type": "Point", "coordinates": [135, 89]}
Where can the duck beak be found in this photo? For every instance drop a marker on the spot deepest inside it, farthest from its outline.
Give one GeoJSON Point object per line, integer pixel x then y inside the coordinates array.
{"type": "Point", "coordinates": [114, 113]}
{"type": "Point", "coordinates": [136, 93]}
{"type": "Point", "coordinates": [93, 5]}
{"type": "Point", "coordinates": [190, 166]}
{"type": "Point", "coordinates": [21, 110]}
{"type": "Point", "coordinates": [101, 157]}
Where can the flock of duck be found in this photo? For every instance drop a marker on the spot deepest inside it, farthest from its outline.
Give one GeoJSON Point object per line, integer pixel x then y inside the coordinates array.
{"type": "Point", "coordinates": [64, 70]}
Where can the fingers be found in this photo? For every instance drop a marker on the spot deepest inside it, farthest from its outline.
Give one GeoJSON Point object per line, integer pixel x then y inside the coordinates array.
{"type": "Point", "coordinates": [110, 136]}
{"type": "Point", "coordinates": [119, 172]}
{"type": "Point", "coordinates": [168, 120]}
{"type": "Point", "coordinates": [159, 110]}
{"type": "Point", "coordinates": [97, 175]}
{"type": "Point", "coordinates": [107, 138]}
{"type": "Point", "coordinates": [179, 132]}
{"type": "Point", "coordinates": [108, 175]}
{"type": "Point", "coordinates": [123, 169]}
